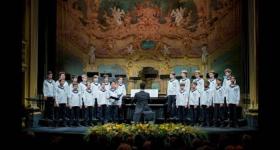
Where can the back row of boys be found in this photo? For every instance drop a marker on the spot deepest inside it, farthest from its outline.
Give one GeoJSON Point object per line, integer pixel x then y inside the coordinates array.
{"type": "Point", "coordinates": [81, 98]}
{"type": "Point", "coordinates": [209, 100]}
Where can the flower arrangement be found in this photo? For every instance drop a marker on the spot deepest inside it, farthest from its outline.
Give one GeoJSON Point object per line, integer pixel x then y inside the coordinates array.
{"type": "Point", "coordinates": [111, 130]}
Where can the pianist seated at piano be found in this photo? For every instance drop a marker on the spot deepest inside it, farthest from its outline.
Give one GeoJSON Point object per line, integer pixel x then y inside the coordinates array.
{"type": "Point", "coordinates": [141, 99]}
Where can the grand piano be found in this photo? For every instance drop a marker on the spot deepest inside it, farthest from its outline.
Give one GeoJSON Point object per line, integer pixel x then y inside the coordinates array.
{"type": "Point", "coordinates": [157, 104]}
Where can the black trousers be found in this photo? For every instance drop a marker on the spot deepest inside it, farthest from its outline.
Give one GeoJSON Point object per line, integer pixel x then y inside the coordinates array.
{"type": "Point", "coordinates": [75, 114]}
{"type": "Point", "coordinates": [62, 112]}
{"type": "Point", "coordinates": [95, 109]}
{"type": "Point", "coordinates": [88, 114]}
{"type": "Point", "coordinates": [182, 112]}
{"type": "Point", "coordinates": [204, 113]}
{"type": "Point", "coordinates": [232, 114]}
{"type": "Point", "coordinates": [49, 108]}
{"type": "Point", "coordinates": [224, 112]}
{"type": "Point", "coordinates": [114, 113]}
{"type": "Point", "coordinates": [210, 114]}
{"type": "Point", "coordinates": [102, 113]}
{"type": "Point", "coordinates": [194, 113]}
{"type": "Point", "coordinates": [171, 105]}
{"type": "Point", "coordinates": [217, 113]}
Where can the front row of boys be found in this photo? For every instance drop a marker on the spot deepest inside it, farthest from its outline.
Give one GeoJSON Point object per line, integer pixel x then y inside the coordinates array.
{"type": "Point", "coordinates": [82, 101]}
{"type": "Point", "coordinates": [207, 102]}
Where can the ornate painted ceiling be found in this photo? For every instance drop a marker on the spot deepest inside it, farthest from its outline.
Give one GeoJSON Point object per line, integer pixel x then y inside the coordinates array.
{"type": "Point", "coordinates": [173, 28]}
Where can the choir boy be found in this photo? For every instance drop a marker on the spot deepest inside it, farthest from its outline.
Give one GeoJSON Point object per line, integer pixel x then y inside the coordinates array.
{"type": "Point", "coordinates": [103, 100]}
{"type": "Point", "coordinates": [95, 87]}
{"type": "Point", "coordinates": [61, 95]}
{"type": "Point", "coordinates": [205, 103]}
{"type": "Point", "coordinates": [219, 96]}
{"type": "Point", "coordinates": [172, 89]}
{"type": "Point", "coordinates": [75, 103]}
{"type": "Point", "coordinates": [233, 100]}
{"type": "Point", "coordinates": [49, 91]}
{"type": "Point", "coordinates": [185, 80]}
{"type": "Point", "coordinates": [88, 99]}
{"type": "Point", "coordinates": [194, 103]}
{"type": "Point", "coordinates": [199, 81]}
{"type": "Point", "coordinates": [182, 99]}
{"type": "Point", "coordinates": [114, 97]}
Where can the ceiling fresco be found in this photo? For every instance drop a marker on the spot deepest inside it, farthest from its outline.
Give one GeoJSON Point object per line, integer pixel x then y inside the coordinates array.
{"type": "Point", "coordinates": [173, 28]}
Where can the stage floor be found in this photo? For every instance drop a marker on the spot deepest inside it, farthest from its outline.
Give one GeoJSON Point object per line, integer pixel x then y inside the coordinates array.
{"type": "Point", "coordinates": [82, 130]}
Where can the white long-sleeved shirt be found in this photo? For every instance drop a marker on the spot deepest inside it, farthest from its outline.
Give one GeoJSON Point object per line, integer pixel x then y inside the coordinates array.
{"type": "Point", "coordinates": [107, 86]}
{"type": "Point", "coordinates": [213, 84]}
{"type": "Point", "coordinates": [65, 84]}
{"type": "Point", "coordinates": [49, 88]}
{"type": "Point", "coordinates": [233, 94]}
{"type": "Point", "coordinates": [182, 98]}
{"type": "Point", "coordinates": [187, 82]}
{"type": "Point", "coordinates": [95, 87]}
{"type": "Point", "coordinates": [103, 97]}
{"type": "Point", "coordinates": [207, 97]}
{"type": "Point", "coordinates": [226, 82]}
{"type": "Point", "coordinates": [200, 84]}
{"type": "Point", "coordinates": [88, 97]}
{"type": "Point", "coordinates": [114, 93]}
{"type": "Point", "coordinates": [122, 92]}
{"type": "Point", "coordinates": [61, 95]}
{"type": "Point", "coordinates": [194, 97]}
{"type": "Point", "coordinates": [75, 99]}
{"type": "Point", "coordinates": [83, 86]}
{"type": "Point", "coordinates": [219, 95]}
{"type": "Point", "coordinates": [173, 87]}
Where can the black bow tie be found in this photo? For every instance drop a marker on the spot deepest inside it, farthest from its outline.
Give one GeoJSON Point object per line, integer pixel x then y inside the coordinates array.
{"type": "Point", "coordinates": [50, 81]}
{"type": "Point", "coordinates": [96, 84]}
{"type": "Point", "coordinates": [184, 79]}
{"type": "Point", "coordinates": [120, 84]}
{"type": "Point", "coordinates": [103, 90]}
{"type": "Point", "coordinates": [193, 90]}
{"type": "Point", "coordinates": [89, 91]}
{"type": "Point", "coordinates": [113, 90]}
{"type": "Point", "coordinates": [218, 87]}
{"type": "Point", "coordinates": [61, 87]}
{"type": "Point", "coordinates": [75, 91]}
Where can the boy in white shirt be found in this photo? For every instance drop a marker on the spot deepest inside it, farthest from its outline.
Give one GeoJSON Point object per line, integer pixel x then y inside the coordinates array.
{"type": "Point", "coordinates": [219, 96]}
{"type": "Point", "coordinates": [88, 103]}
{"type": "Point", "coordinates": [103, 100]}
{"type": "Point", "coordinates": [122, 92]}
{"type": "Point", "coordinates": [233, 100]}
{"type": "Point", "coordinates": [172, 89]}
{"type": "Point", "coordinates": [227, 76]}
{"type": "Point", "coordinates": [95, 87]}
{"type": "Point", "coordinates": [185, 80]}
{"type": "Point", "coordinates": [107, 83]}
{"type": "Point", "coordinates": [199, 81]}
{"type": "Point", "coordinates": [194, 103]}
{"type": "Point", "coordinates": [114, 97]}
{"type": "Point", "coordinates": [75, 103]}
{"type": "Point", "coordinates": [49, 93]}
{"type": "Point", "coordinates": [205, 102]}
{"type": "Point", "coordinates": [83, 84]}
{"type": "Point", "coordinates": [61, 95]}
{"type": "Point", "coordinates": [182, 99]}
{"type": "Point", "coordinates": [212, 80]}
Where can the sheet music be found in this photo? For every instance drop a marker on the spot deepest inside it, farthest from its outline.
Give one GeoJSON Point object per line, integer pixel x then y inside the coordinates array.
{"type": "Point", "coordinates": [152, 92]}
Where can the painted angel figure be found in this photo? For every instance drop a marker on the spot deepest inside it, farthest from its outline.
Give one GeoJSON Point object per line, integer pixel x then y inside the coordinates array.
{"type": "Point", "coordinates": [130, 49]}
{"type": "Point", "coordinates": [91, 55]}
{"type": "Point", "coordinates": [204, 54]}
{"type": "Point", "coordinates": [178, 14]}
{"type": "Point", "coordinates": [165, 50]}
{"type": "Point", "coordinates": [118, 14]}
